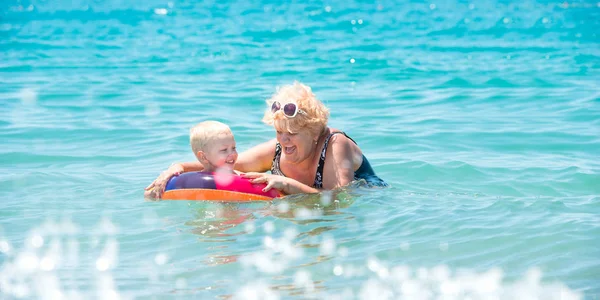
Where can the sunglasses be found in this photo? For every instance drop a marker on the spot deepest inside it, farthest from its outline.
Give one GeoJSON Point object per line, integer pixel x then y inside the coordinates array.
{"type": "Point", "coordinates": [290, 110]}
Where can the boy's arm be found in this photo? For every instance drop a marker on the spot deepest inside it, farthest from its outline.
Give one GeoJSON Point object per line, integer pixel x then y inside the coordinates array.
{"type": "Point", "coordinates": [157, 187]}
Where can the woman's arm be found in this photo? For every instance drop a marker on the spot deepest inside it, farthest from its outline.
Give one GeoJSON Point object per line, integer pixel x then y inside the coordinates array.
{"type": "Point", "coordinates": [284, 184]}
{"type": "Point", "coordinates": [258, 158]}
{"type": "Point", "coordinates": [343, 158]}
{"type": "Point", "coordinates": [293, 186]}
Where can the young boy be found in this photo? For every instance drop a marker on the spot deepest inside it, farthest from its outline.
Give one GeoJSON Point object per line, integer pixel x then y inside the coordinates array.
{"type": "Point", "coordinates": [214, 147]}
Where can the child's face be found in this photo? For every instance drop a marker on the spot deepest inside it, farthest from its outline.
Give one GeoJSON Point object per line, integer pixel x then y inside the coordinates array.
{"type": "Point", "coordinates": [221, 152]}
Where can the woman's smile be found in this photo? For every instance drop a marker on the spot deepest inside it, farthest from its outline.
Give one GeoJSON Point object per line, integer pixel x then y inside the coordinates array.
{"type": "Point", "coordinates": [289, 150]}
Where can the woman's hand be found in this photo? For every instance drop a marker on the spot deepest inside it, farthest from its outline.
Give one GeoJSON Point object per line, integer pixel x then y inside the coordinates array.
{"type": "Point", "coordinates": [157, 187]}
{"type": "Point", "coordinates": [277, 182]}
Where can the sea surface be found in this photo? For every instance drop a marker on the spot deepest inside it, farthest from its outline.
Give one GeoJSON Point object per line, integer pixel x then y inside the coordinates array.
{"type": "Point", "coordinates": [483, 116]}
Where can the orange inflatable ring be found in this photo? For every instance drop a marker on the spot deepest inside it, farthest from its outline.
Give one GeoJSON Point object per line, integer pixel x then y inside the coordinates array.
{"type": "Point", "coordinates": [216, 187]}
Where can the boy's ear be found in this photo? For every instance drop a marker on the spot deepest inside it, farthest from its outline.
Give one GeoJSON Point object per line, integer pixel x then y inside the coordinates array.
{"type": "Point", "coordinates": [201, 156]}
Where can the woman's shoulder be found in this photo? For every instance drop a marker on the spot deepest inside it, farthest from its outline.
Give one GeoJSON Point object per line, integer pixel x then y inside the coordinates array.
{"type": "Point", "coordinates": [340, 141]}
{"type": "Point", "coordinates": [339, 137]}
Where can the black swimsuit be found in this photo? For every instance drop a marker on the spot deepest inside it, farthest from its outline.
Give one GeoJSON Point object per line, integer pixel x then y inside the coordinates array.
{"type": "Point", "coordinates": [364, 171]}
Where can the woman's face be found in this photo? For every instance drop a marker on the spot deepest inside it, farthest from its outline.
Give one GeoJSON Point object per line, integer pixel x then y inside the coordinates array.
{"type": "Point", "coordinates": [296, 147]}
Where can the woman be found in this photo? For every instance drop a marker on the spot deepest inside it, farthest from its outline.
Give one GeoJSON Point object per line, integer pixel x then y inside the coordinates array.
{"type": "Point", "coordinates": [305, 157]}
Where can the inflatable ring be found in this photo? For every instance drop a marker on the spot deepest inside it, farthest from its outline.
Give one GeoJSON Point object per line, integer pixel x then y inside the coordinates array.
{"type": "Point", "coordinates": [216, 187]}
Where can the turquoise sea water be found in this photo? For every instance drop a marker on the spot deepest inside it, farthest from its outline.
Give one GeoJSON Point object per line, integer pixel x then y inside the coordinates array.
{"type": "Point", "coordinates": [483, 116]}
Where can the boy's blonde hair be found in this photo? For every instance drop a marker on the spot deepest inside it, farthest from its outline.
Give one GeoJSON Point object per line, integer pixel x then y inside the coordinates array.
{"type": "Point", "coordinates": [315, 117]}
{"type": "Point", "coordinates": [205, 132]}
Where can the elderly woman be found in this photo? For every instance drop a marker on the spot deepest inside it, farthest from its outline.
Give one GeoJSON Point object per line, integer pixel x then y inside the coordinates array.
{"type": "Point", "coordinates": [305, 157]}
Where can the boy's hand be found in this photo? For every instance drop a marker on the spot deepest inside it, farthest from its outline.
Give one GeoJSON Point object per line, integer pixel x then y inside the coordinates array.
{"type": "Point", "coordinates": [157, 187]}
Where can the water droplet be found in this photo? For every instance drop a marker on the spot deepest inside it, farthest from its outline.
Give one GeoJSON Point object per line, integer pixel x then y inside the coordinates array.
{"type": "Point", "coordinates": [268, 242]}
{"type": "Point", "coordinates": [223, 176]}
{"type": "Point", "coordinates": [160, 259]}
{"type": "Point", "coordinates": [28, 96]}
{"type": "Point", "coordinates": [353, 22]}
{"type": "Point", "coordinates": [449, 288]}
{"type": "Point", "coordinates": [102, 264]}
{"type": "Point", "coordinates": [545, 20]}
{"type": "Point", "coordinates": [107, 227]}
{"type": "Point", "coordinates": [440, 273]}
{"type": "Point", "coordinates": [373, 264]}
{"type": "Point", "coordinates": [249, 227]}
{"type": "Point", "coordinates": [409, 288]}
{"type": "Point", "coordinates": [151, 110]}
{"type": "Point", "coordinates": [338, 270]}
{"type": "Point", "coordinates": [360, 21]}
{"type": "Point", "coordinates": [444, 246]}
{"type": "Point", "coordinates": [21, 291]}
{"type": "Point", "coordinates": [352, 60]}
{"type": "Point", "coordinates": [37, 241]}
{"type": "Point", "coordinates": [326, 197]}
{"type": "Point", "coordinates": [269, 227]}
{"type": "Point", "coordinates": [506, 20]}
{"type": "Point", "coordinates": [4, 247]}
{"type": "Point", "coordinates": [302, 213]}
{"type": "Point", "coordinates": [27, 261]}
{"type": "Point", "coordinates": [47, 264]}
{"type": "Point", "coordinates": [283, 207]}
{"type": "Point", "coordinates": [302, 279]}
{"type": "Point", "coordinates": [111, 295]}
{"type": "Point", "coordinates": [383, 273]}
{"type": "Point", "coordinates": [328, 8]}
{"type": "Point", "coordinates": [404, 246]}
{"type": "Point", "coordinates": [180, 283]}
{"type": "Point", "coordinates": [160, 11]}
{"type": "Point", "coordinates": [346, 164]}
{"type": "Point", "coordinates": [534, 276]}
{"type": "Point", "coordinates": [432, 6]}
{"type": "Point", "coordinates": [290, 233]}
{"type": "Point", "coordinates": [327, 246]}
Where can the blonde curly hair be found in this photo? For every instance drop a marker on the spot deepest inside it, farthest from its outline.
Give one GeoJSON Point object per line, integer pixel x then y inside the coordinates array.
{"type": "Point", "coordinates": [315, 115]}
